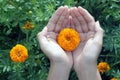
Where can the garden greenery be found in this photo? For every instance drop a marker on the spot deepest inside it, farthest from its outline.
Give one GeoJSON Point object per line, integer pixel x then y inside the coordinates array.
{"type": "Point", "coordinates": [15, 14]}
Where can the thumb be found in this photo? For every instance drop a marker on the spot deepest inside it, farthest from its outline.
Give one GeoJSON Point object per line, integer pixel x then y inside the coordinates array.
{"type": "Point", "coordinates": [98, 39]}
{"type": "Point", "coordinates": [99, 33]}
{"type": "Point", "coordinates": [43, 32]}
{"type": "Point", "coordinates": [42, 37]}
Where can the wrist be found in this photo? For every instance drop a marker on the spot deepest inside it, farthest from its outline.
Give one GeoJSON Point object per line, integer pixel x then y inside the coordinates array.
{"type": "Point", "coordinates": [60, 65]}
{"type": "Point", "coordinates": [83, 64]}
{"type": "Point", "coordinates": [59, 71]}
{"type": "Point", "coordinates": [65, 62]}
{"type": "Point", "coordinates": [87, 70]}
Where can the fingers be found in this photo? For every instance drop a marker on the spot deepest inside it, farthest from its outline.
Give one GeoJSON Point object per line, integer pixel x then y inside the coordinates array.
{"type": "Point", "coordinates": [53, 20]}
{"type": "Point", "coordinates": [42, 33]}
{"type": "Point", "coordinates": [80, 24]}
{"type": "Point", "coordinates": [81, 20]}
{"type": "Point", "coordinates": [69, 23]}
{"type": "Point", "coordinates": [99, 33]}
{"type": "Point", "coordinates": [89, 19]}
{"type": "Point", "coordinates": [44, 37]}
{"type": "Point", "coordinates": [62, 20]}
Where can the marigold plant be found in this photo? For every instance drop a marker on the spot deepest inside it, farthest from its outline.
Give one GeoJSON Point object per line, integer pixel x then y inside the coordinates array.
{"type": "Point", "coordinates": [103, 67]}
{"type": "Point", "coordinates": [19, 53]}
{"type": "Point", "coordinates": [113, 79]}
{"type": "Point", "coordinates": [28, 25]}
{"type": "Point", "coordinates": [68, 39]}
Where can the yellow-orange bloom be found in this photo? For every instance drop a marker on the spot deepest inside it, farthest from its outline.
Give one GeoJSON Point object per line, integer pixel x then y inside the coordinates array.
{"type": "Point", "coordinates": [28, 25]}
{"type": "Point", "coordinates": [113, 79]}
{"type": "Point", "coordinates": [103, 67]}
{"type": "Point", "coordinates": [19, 53]}
{"type": "Point", "coordinates": [68, 39]}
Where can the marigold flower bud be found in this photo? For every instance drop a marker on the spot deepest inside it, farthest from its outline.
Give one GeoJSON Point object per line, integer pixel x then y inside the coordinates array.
{"type": "Point", "coordinates": [30, 12]}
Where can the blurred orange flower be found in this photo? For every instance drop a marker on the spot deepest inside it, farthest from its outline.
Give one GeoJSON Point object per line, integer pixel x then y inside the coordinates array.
{"type": "Point", "coordinates": [68, 39]}
{"type": "Point", "coordinates": [28, 25]}
{"type": "Point", "coordinates": [103, 67]}
{"type": "Point", "coordinates": [113, 79]}
{"type": "Point", "coordinates": [18, 53]}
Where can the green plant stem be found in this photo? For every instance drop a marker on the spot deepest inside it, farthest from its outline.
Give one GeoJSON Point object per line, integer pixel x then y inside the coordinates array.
{"type": "Point", "coordinates": [27, 38]}
{"type": "Point", "coordinates": [18, 69]}
{"type": "Point", "coordinates": [118, 62]}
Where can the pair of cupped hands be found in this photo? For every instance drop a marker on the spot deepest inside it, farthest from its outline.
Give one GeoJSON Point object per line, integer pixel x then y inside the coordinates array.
{"type": "Point", "coordinates": [91, 35]}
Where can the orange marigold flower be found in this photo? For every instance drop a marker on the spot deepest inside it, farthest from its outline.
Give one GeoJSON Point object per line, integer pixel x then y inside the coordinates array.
{"type": "Point", "coordinates": [113, 79]}
{"type": "Point", "coordinates": [19, 53]}
{"type": "Point", "coordinates": [28, 25]}
{"type": "Point", "coordinates": [103, 67]}
{"type": "Point", "coordinates": [68, 39]}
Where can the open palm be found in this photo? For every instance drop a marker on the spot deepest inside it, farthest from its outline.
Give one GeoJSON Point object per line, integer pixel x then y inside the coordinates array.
{"type": "Point", "coordinates": [47, 37]}
{"type": "Point", "coordinates": [90, 33]}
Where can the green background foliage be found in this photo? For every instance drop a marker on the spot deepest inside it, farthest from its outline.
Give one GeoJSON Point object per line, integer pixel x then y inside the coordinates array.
{"type": "Point", "coordinates": [15, 13]}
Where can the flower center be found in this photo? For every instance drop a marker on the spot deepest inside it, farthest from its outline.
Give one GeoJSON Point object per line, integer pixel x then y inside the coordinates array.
{"type": "Point", "coordinates": [18, 53]}
{"type": "Point", "coordinates": [68, 38]}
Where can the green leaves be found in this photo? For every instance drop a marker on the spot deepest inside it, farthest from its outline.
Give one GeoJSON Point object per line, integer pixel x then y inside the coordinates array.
{"type": "Point", "coordinates": [15, 13]}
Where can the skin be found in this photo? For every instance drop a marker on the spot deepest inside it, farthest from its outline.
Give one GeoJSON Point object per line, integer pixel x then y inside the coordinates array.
{"type": "Point", "coordinates": [86, 54]}
{"type": "Point", "coordinates": [84, 57]}
{"type": "Point", "coordinates": [60, 61]}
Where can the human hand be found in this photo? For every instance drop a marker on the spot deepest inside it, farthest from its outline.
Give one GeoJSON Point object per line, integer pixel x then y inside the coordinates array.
{"type": "Point", "coordinates": [60, 60]}
{"type": "Point", "coordinates": [91, 35]}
